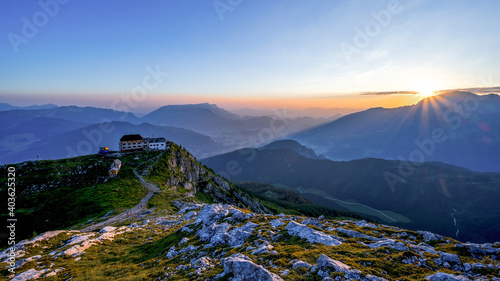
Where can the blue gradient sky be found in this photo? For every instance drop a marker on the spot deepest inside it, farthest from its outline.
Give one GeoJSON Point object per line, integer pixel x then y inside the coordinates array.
{"type": "Point", "coordinates": [91, 52]}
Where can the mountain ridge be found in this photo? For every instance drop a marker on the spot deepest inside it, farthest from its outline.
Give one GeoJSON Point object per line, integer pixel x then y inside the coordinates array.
{"type": "Point", "coordinates": [87, 140]}
{"type": "Point", "coordinates": [467, 125]}
{"type": "Point", "coordinates": [292, 145]}
{"type": "Point", "coordinates": [183, 235]}
{"type": "Point", "coordinates": [423, 198]}
{"type": "Point", "coordinates": [21, 135]}
{"type": "Point", "coordinates": [175, 173]}
{"type": "Point", "coordinates": [5, 106]}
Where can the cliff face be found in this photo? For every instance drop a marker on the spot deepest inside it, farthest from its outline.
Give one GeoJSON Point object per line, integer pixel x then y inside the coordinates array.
{"type": "Point", "coordinates": [179, 170]}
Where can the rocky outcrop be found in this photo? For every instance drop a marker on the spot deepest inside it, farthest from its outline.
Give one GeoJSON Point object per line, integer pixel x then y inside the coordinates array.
{"type": "Point", "coordinates": [30, 274]}
{"type": "Point", "coordinates": [480, 249]}
{"type": "Point", "coordinates": [355, 234]}
{"type": "Point", "coordinates": [21, 246]}
{"type": "Point", "coordinates": [327, 264]}
{"type": "Point", "coordinates": [449, 258]}
{"type": "Point", "coordinates": [363, 223]}
{"type": "Point", "coordinates": [216, 237]}
{"type": "Point", "coordinates": [244, 269]}
{"type": "Point", "coordinates": [391, 243]}
{"type": "Point", "coordinates": [186, 172]}
{"type": "Point", "coordinates": [276, 223]}
{"type": "Point", "coordinates": [300, 263]}
{"type": "Point", "coordinates": [374, 278]}
{"type": "Point", "coordinates": [422, 247]}
{"type": "Point", "coordinates": [263, 248]}
{"type": "Point", "coordinates": [202, 264]}
{"type": "Point", "coordinates": [218, 233]}
{"type": "Point", "coordinates": [211, 213]}
{"type": "Point", "coordinates": [107, 229]}
{"type": "Point", "coordinates": [215, 212]}
{"type": "Point", "coordinates": [429, 236]}
{"type": "Point", "coordinates": [440, 276]}
{"type": "Point", "coordinates": [311, 235]}
{"type": "Point", "coordinates": [21, 262]}
{"type": "Point", "coordinates": [78, 243]}
{"type": "Point", "coordinates": [239, 235]}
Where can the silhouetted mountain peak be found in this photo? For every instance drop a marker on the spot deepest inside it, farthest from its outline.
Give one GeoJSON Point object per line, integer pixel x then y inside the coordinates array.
{"type": "Point", "coordinates": [190, 111]}
{"type": "Point", "coordinates": [467, 123]}
{"type": "Point", "coordinates": [6, 106]}
{"type": "Point", "coordinates": [186, 106]}
{"type": "Point", "coordinates": [294, 146]}
{"type": "Point", "coordinates": [457, 94]}
{"type": "Point", "coordinates": [423, 198]}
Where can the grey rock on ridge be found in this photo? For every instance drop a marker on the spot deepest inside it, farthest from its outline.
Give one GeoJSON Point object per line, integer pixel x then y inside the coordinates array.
{"type": "Point", "coordinates": [355, 234]}
{"type": "Point", "coordinates": [195, 177]}
{"type": "Point", "coordinates": [440, 276]}
{"type": "Point", "coordinates": [30, 274]}
{"type": "Point", "coordinates": [219, 234]}
{"type": "Point", "coordinates": [239, 235]}
{"type": "Point", "coordinates": [391, 243]}
{"type": "Point", "coordinates": [300, 263]}
{"type": "Point", "coordinates": [326, 262]}
{"type": "Point", "coordinates": [311, 235]}
{"type": "Point", "coordinates": [239, 245]}
{"type": "Point", "coordinates": [244, 269]}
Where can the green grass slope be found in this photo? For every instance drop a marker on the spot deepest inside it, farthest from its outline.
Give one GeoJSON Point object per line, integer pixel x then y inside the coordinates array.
{"type": "Point", "coordinates": [58, 194]}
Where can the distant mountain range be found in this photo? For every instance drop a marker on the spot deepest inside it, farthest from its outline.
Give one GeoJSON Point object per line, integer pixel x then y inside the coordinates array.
{"type": "Point", "coordinates": [87, 140]}
{"type": "Point", "coordinates": [203, 128]}
{"type": "Point", "coordinates": [6, 106]}
{"type": "Point", "coordinates": [292, 145]}
{"type": "Point", "coordinates": [459, 128]}
{"type": "Point", "coordinates": [431, 197]}
{"type": "Point", "coordinates": [24, 134]}
{"type": "Point", "coordinates": [228, 128]}
{"type": "Point", "coordinates": [190, 115]}
{"type": "Point", "coordinates": [325, 113]}
{"type": "Point", "coordinates": [84, 115]}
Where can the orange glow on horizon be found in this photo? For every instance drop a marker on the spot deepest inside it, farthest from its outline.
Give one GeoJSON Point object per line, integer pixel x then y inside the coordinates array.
{"type": "Point", "coordinates": [353, 101]}
{"type": "Point", "coordinates": [153, 101]}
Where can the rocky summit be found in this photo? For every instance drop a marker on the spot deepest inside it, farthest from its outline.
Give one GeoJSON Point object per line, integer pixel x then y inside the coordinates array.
{"type": "Point", "coordinates": [224, 242]}
{"type": "Point", "coordinates": [167, 217]}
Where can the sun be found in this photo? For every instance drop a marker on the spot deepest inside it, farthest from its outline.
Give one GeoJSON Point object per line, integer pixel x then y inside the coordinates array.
{"type": "Point", "coordinates": [426, 90]}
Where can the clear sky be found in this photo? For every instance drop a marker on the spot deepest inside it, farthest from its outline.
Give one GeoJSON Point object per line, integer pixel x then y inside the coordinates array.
{"type": "Point", "coordinates": [240, 53]}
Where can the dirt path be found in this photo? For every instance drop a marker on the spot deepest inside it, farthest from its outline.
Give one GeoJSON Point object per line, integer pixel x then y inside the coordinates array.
{"type": "Point", "coordinates": [152, 190]}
